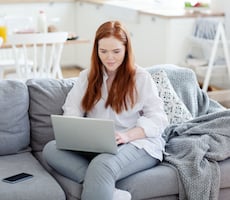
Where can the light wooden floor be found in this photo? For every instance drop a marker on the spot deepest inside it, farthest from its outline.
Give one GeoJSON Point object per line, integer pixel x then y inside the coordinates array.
{"type": "Point", "coordinates": [69, 72]}
{"type": "Point", "coordinates": [222, 96]}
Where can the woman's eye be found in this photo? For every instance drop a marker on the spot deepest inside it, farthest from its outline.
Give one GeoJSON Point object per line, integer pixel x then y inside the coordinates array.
{"type": "Point", "coordinates": [117, 51]}
{"type": "Point", "coordinates": [103, 51]}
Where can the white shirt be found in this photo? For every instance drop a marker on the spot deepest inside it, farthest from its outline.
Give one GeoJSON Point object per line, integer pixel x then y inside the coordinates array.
{"type": "Point", "coordinates": [153, 118]}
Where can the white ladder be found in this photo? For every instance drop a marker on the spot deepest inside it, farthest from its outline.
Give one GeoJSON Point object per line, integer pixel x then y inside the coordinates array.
{"type": "Point", "coordinates": [220, 35]}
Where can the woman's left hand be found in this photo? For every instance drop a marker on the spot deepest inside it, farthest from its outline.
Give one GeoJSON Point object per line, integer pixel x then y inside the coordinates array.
{"type": "Point", "coordinates": [130, 135]}
{"type": "Point", "coordinates": [121, 138]}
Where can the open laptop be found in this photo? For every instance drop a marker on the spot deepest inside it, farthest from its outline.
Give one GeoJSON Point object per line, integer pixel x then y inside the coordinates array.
{"type": "Point", "coordinates": [84, 134]}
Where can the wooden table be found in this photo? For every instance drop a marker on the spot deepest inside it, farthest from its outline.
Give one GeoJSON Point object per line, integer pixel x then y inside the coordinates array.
{"type": "Point", "coordinates": [68, 42]}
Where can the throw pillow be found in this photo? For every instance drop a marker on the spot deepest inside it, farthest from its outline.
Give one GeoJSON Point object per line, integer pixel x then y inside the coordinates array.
{"type": "Point", "coordinates": [175, 109]}
{"type": "Point", "coordinates": [46, 97]}
{"type": "Point", "coordinates": [14, 122]}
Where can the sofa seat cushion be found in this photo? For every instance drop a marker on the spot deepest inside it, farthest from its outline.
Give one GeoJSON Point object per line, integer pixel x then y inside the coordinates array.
{"type": "Point", "coordinates": [14, 123]}
{"type": "Point", "coordinates": [155, 182]}
{"type": "Point", "coordinates": [41, 187]}
{"type": "Point", "coordinates": [162, 181]}
{"type": "Point", "coordinates": [224, 173]}
{"type": "Point", "coordinates": [142, 185]}
{"type": "Point", "coordinates": [46, 97]}
{"type": "Point", "coordinates": [72, 189]}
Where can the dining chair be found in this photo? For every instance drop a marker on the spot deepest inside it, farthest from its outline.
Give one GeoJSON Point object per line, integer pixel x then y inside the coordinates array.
{"type": "Point", "coordinates": [37, 55]}
{"type": "Point", "coordinates": [14, 24]}
{"type": "Point", "coordinates": [1, 70]}
{"type": "Point", "coordinates": [6, 61]}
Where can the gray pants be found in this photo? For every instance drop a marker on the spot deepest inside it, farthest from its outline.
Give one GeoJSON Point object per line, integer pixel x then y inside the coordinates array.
{"type": "Point", "coordinates": [98, 172]}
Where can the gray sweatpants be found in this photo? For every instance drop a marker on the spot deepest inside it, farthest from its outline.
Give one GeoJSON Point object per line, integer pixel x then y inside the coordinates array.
{"type": "Point", "coordinates": [98, 172]}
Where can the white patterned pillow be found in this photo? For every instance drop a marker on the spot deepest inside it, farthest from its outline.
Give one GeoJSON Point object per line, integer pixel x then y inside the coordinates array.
{"type": "Point", "coordinates": [175, 109]}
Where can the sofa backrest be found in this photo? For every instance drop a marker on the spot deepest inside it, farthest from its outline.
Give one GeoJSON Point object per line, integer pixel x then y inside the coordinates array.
{"type": "Point", "coordinates": [46, 97]}
{"type": "Point", "coordinates": [14, 123]}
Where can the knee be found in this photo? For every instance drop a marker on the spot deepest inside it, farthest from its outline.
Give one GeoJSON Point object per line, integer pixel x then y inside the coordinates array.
{"type": "Point", "coordinates": [103, 164]}
{"type": "Point", "coordinates": [49, 151]}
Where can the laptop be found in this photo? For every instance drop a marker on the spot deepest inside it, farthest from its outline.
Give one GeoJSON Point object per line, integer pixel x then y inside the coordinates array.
{"type": "Point", "coordinates": [84, 134]}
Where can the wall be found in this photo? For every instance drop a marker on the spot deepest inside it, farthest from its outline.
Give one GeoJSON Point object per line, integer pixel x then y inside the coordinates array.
{"type": "Point", "coordinates": [64, 10]}
{"type": "Point", "coordinates": [156, 38]}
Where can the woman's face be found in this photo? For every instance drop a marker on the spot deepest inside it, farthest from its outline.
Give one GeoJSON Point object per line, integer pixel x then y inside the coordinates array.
{"type": "Point", "coordinates": [111, 52]}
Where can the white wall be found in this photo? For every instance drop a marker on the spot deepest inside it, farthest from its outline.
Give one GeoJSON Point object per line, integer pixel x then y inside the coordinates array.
{"type": "Point", "coordinates": [156, 40]}
{"type": "Point", "coordinates": [65, 11]}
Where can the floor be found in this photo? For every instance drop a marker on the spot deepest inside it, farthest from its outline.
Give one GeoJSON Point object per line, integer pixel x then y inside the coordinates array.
{"type": "Point", "coordinates": [69, 72]}
{"type": "Point", "coordinates": [222, 96]}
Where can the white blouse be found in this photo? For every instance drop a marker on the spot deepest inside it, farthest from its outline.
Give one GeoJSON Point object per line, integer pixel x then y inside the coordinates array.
{"type": "Point", "coordinates": [148, 113]}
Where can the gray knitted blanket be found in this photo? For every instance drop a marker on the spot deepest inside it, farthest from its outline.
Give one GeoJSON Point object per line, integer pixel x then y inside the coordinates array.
{"type": "Point", "coordinates": [194, 149]}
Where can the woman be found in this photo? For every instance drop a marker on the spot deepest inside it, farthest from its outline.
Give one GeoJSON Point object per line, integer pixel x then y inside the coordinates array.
{"type": "Point", "coordinates": [113, 88]}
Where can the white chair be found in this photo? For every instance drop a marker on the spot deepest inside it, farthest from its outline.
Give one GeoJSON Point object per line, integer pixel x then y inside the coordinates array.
{"type": "Point", "coordinates": [1, 70]}
{"type": "Point", "coordinates": [6, 61]}
{"type": "Point", "coordinates": [37, 55]}
{"type": "Point", "coordinates": [14, 24]}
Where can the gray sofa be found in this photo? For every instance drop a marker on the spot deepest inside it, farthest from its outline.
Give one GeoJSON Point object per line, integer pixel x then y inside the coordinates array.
{"type": "Point", "coordinates": [25, 128]}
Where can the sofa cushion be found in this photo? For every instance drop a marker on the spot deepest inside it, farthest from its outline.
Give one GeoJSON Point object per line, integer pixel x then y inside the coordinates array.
{"type": "Point", "coordinates": [41, 187]}
{"type": "Point", "coordinates": [46, 97]}
{"type": "Point", "coordinates": [72, 188]}
{"type": "Point", "coordinates": [155, 182]}
{"type": "Point", "coordinates": [14, 123]}
{"type": "Point", "coordinates": [186, 86]}
{"type": "Point", "coordinates": [162, 181]}
{"type": "Point", "coordinates": [173, 106]}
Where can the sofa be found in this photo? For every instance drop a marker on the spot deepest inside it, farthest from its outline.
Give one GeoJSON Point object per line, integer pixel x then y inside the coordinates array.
{"type": "Point", "coordinates": [25, 128]}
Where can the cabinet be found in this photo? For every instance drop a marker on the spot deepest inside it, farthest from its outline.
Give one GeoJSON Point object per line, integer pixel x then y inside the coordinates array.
{"type": "Point", "coordinates": [160, 40]}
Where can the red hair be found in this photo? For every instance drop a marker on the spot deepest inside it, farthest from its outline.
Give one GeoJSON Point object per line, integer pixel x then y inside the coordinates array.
{"type": "Point", "coordinates": [123, 88]}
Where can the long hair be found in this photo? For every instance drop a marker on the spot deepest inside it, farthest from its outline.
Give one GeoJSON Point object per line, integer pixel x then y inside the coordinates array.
{"type": "Point", "coordinates": [123, 88]}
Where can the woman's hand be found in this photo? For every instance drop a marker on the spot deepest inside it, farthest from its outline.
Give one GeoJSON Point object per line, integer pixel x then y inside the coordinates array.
{"type": "Point", "coordinates": [121, 138]}
{"type": "Point", "coordinates": [130, 135]}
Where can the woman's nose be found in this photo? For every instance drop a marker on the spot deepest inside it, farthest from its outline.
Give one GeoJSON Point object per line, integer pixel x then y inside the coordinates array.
{"type": "Point", "coordinates": [110, 55]}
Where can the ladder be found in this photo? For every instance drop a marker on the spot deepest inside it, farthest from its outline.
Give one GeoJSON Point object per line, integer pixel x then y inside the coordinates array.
{"type": "Point", "coordinates": [220, 35]}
